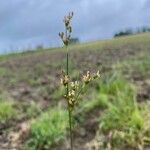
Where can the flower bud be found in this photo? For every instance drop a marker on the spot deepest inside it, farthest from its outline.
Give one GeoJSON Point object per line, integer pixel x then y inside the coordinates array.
{"type": "Point", "coordinates": [87, 78]}
{"type": "Point", "coordinates": [65, 80]}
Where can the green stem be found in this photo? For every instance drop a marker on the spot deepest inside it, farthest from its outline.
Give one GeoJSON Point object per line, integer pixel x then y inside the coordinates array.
{"type": "Point", "coordinates": [80, 91]}
{"type": "Point", "coordinates": [69, 110]}
{"type": "Point", "coordinates": [70, 128]}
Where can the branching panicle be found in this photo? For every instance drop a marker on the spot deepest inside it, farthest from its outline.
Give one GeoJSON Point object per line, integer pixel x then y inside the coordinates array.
{"type": "Point", "coordinates": [65, 37]}
{"type": "Point", "coordinates": [73, 88]}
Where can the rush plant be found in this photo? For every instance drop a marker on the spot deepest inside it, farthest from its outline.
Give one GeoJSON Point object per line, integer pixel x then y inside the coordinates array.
{"type": "Point", "coordinates": [73, 88]}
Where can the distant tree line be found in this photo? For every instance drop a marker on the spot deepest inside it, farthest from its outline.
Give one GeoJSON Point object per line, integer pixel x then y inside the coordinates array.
{"type": "Point", "coordinates": [132, 31]}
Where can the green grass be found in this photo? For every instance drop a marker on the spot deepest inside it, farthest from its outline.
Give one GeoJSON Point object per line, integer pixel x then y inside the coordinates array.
{"type": "Point", "coordinates": [33, 109]}
{"type": "Point", "coordinates": [126, 123]}
{"type": "Point", "coordinates": [139, 65]}
{"type": "Point", "coordinates": [46, 129]}
{"type": "Point", "coordinates": [114, 84]}
{"type": "Point", "coordinates": [99, 100]}
{"type": "Point", "coordinates": [108, 90]}
{"type": "Point", "coordinates": [146, 115]}
{"type": "Point", "coordinates": [122, 118]}
{"type": "Point", "coordinates": [7, 110]}
{"type": "Point", "coordinates": [121, 114]}
{"type": "Point", "coordinates": [4, 71]}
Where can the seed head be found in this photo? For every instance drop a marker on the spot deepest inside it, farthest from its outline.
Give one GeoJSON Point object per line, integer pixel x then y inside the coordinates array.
{"type": "Point", "coordinates": [87, 78]}
{"type": "Point", "coordinates": [96, 75]}
{"type": "Point", "coordinates": [75, 85]}
{"type": "Point", "coordinates": [61, 34]}
{"type": "Point", "coordinates": [71, 94]}
{"type": "Point", "coordinates": [73, 88]}
{"type": "Point", "coordinates": [68, 29]}
{"type": "Point", "coordinates": [64, 80]}
{"type": "Point", "coordinates": [65, 41]}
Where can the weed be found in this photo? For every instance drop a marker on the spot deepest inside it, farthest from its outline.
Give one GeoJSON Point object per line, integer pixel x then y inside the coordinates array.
{"type": "Point", "coordinates": [73, 88]}
{"type": "Point", "coordinates": [108, 90]}
{"type": "Point", "coordinates": [33, 110]}
{"type": "Point", "coordinates": [3, 71]}
{"type": "Point", "coordinates": [99, 100]}
{"type": "Point", "coordinates": [48, 128]}
{"type": "Point", "coordinates": [122, 121]}
{"type": "Point", "coordinates": [7, 111]}
{"type": "Point", "coordinates": [56, 95]}
{"type": "Point", "coordinates": [139, 66]}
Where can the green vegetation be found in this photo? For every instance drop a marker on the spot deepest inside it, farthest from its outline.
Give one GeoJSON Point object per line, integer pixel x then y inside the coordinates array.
{"type": "Point", "coordinates": [139, 65]}
{"type": "Point", "coordinates": [4, 71]}
{"type": "Point", "coordinates": [123, 118]}
{"type": "Point", "coordinates": [7, 111]}
{"type": "Point", "coordinates": [33, 109]}
{"type": "Point", "coordinates": [114, 85]}
{"type": "Point", "coordinates": [108, 90]}
{"type": "Point", "coordinates": [46, 129]}
{"type": "Point", "coordinates": [99, 100]}
{"type": "Point", "coordinates": [146, 115]}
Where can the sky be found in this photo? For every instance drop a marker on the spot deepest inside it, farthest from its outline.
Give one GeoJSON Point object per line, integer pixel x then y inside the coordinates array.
{"type": "Point", "coordinates": [25, 24]}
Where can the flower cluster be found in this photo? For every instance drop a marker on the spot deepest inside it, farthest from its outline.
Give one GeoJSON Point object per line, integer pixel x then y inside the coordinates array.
{"type": "Point", "coordinates": [65, 37]}
{"type": "Point", "coordinates": [65, 80]}
{"type": "Point", "coordinates": [75, 87]}
{"type": "Point", "coordinates": [72, 94]}
{"type": "Point", "coordinates": [89, 77]}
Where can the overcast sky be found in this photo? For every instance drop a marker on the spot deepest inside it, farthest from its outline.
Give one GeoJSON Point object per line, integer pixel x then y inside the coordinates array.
{"type": "Point", "coordinates": [27, 23]}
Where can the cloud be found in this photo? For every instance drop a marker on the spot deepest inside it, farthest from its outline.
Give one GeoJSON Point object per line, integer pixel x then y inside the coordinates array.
{"type": "Point", "coordinates": [35, 22]}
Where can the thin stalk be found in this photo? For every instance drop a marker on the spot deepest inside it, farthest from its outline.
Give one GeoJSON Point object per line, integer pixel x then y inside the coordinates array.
{"type": "Point", "coordinates": [70, 128]}
{"type": "Point", "coordinates": [69, 110]}
{"type": "Point", "coordinates": [80, 91]}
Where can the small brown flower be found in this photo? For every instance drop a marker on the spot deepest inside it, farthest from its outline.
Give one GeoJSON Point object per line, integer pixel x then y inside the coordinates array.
{"type": "Point", "coordinates": [65, 80]}
{"type": "Point", "coordinates": [71, 94]}
{"type": "Point", "coordinates": [87, 78]}
{"type": "Point", "coordinates": [75, 85]}
{"type": "Point", "coordinates": [65, 41]}
{"type": "Point", "coordinates": [61, 34]}
{"type": "Point", "coordinates": [70, 102]}
{"type": "Point", "coordinates": [66, 21]}
{"type": "Point", "coordinates": [68, 29]}
{"type": "Point", "coordinates": [96, 75]}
